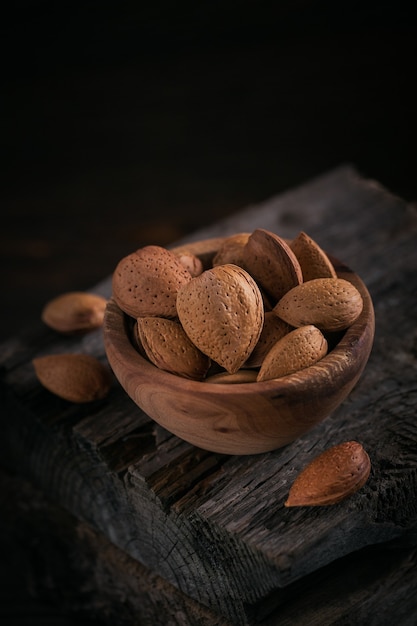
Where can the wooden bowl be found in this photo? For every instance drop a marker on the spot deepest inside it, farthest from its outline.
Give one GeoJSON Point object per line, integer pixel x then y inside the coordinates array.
{"type": "Point", "coordinates": [243, 418]}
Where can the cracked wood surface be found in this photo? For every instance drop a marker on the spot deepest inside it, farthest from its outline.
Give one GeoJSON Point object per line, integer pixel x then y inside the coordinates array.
{"type": "Point", "coordinates": [212, 525]}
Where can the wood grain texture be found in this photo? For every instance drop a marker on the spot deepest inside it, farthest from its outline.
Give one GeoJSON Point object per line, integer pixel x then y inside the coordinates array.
{"type": "Point", "coordinates": [74, 571]}
{"type": "Point", "coordinates": [213, 525]}
{"type": "Point", "coordinates": [77, 572]}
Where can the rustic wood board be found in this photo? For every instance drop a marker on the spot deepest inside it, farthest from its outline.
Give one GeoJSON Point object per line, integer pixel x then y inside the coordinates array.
{"type": "Point", "coordinates": [214, 526]}
{"type": "Point", "coordinates": [74, 571]}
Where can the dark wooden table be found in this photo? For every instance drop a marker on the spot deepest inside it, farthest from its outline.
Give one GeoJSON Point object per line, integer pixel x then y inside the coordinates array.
{"type": "Point", "coordinates": [122, 523]}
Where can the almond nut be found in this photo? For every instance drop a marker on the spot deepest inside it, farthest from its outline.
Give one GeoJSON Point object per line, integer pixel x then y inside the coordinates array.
{"type": "Point", "coordinates": [297, 350]}
{"type": "Point", "coordinates": [331, 304]}
{"type": "Point", "coordinates": [77, 378]}
{"type": "Point", "coordinates": [191, 263]}
{"type": "Point", "coordinates": [169, 348]}
{"type": "Point", "coordinates": [145, 283]}
{"type": "Point", "coordinates": [231, 250]}
{"type": "Point", "coordinates": [335, 474]}
{"type": "Point", "coordinates": [273, 330]}
{"type": "Point", "coordinates": [272, 263]}
{"type": "Point", "coordinates": [222, 313]}
{"type": "Point", "coordinates": [205, 250]}
{"type": "Point", "coordinates": [74, 312]}
{"type": "Point", "coordinates": [313, 261]}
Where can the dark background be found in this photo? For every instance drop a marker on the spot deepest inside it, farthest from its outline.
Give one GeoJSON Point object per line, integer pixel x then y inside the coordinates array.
{"type": "Point", "coordinates": [125, 124]}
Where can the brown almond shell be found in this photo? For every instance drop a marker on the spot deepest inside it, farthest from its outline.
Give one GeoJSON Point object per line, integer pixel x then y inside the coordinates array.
{"type": "Point", "coordinates": [272, 263]}
{"type": "Point", "coordinates": [145, 283]}
{"type": "Point", "coordinates": [331, 304]}
{"type": "Point", "coordinates": [168, 347]}
{"type": "Point", "coordinates": [313, 261]}
{"type": "Point", "coordinates": [76, 378]}
{"type": "Point", "coordinates": [332, 476]}
{"type": "Point", "coordinates": [222, 313]}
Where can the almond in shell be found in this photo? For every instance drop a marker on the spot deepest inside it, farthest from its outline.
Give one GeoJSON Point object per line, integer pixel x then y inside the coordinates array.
{"type": "Point", "coordinates": [297, 350]}
{"type": "Point", "coordinates": [169, 348]}
{"type": "Point", "coordinates": [205, 250]}
{"type": "Point", "coordinates": [272, 263]}
{"type": "Point", "coordinates": [77, 378]}
{"type": "Point", "coordinates": [273, 330]}
{"type": "Point", "coordinates": [335, 474]}
{"type": "Point", "coordinates": [145, 283]}
{"type": "Point", "coordinates": [191, 262]}
{"type": "Point", "coordinates": [231, 250]}
{"type": "Point", "coordinates": [313, 261]}
{"type": "Point", "coordinates": [222, 313]}
{"type": "Point", "coordinates": [331, 304]}
{"type": "Point", "coordinates": [74, 312]}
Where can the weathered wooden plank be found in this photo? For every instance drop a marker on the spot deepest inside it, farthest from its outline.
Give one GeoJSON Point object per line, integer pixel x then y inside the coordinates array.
{"type": "Point", "coordinates": [215, 526]}
{"type": "Point", "coordinates": [74, 571]}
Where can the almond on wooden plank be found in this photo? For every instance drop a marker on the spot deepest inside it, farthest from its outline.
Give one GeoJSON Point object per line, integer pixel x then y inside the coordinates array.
{"type": "Point", "coordinates": [74, 312]}
{"type": "Point", "coordinates": [332, 476]}
{"type": "Point", "coordinates": [77, 378]}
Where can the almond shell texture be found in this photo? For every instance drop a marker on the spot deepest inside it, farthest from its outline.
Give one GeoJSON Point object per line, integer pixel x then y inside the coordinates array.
{"type": "Point", "coordinates": [313, 261]}
{"type": "Point", "coordinates": [77, 378]}
{"type": "Point", "coordinates": [273, 330]}
{"type": "Point", "coordinates": [222, 313]}
{"type": "Point", "coordinates": [74, 312]}
{"type": "Point", "coordinates": [297, 350]}
{"type": "Point", "coordinates": [168, 347]}
{"type": "Point", "coordinates": [191, 263]}
{"type": "Point", "coordinates": [332, 476]}
{"type": "Point", "coordinates": [272, 263]}
{"type": "Point", "coordinates": [331, 304]}
{"type": "Point", "coordinates": [146, 282]}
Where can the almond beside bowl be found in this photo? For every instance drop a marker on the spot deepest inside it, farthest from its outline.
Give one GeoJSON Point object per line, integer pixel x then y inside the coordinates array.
{"type": "Point", "coordinates": [244, 417]}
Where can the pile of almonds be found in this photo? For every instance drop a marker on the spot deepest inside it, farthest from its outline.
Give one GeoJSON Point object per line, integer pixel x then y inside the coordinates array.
{"type": "Point", "coordinates": [260, 308]}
